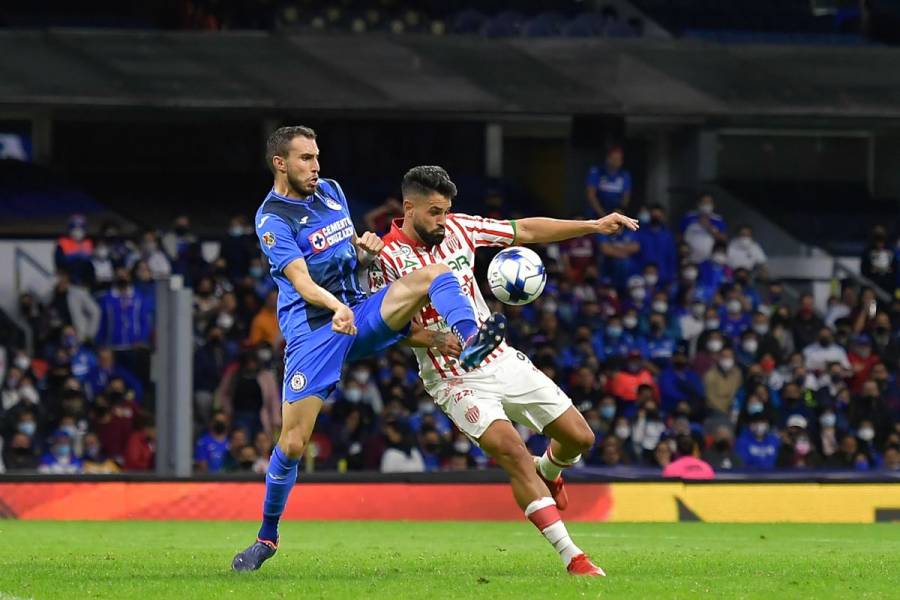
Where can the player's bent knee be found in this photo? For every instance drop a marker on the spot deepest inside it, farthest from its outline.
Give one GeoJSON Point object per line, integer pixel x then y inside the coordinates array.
{"type": "Point", "coordinates": [293, 446]}
{"type": "Point", "coordinates": [584, 441]}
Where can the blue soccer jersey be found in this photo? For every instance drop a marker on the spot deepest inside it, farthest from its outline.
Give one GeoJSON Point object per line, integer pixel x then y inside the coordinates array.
{"type": "Point", "coordinates": [319, 230]}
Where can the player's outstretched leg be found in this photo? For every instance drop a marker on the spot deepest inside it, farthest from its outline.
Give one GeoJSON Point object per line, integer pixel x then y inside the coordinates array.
{"type": "Point", "coordinates": [298, 420]}
{"type": "Point", "coordinates": [407, 295]}
{"type": "Point", "coordinates": [503, 443]}
{"type": "Point", "coordinates": [570, 437]}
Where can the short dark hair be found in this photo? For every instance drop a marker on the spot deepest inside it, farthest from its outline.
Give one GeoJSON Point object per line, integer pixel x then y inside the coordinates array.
{"type": "Point", "coordinates": [685, 445]}
{"type": "Point", "coordinates": [426, 179]}
{"type": "Point", "coordinates": [279, 139]}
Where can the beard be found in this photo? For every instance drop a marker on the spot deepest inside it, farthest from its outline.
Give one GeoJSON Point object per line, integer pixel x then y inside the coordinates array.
{"type": "Point", "coordinates": [430, 238]}
{"type": "Point", "coordinates": [298, 186]}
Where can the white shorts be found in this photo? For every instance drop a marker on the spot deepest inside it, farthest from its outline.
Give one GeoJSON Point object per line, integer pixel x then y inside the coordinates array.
{"type": "Point", "coordinates": [511, 388]}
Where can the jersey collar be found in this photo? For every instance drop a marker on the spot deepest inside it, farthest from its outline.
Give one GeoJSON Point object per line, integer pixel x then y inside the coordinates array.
{"type": "Point", "coordinates": [294, 200]}
{"type": "Point", "coordinates": [397, 232]}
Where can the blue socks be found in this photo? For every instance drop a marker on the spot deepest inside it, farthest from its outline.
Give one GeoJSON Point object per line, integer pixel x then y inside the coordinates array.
{"type": "Point", "coordinates": [280, 480]}
{"type": "Point", "coordinates": [453, 305]}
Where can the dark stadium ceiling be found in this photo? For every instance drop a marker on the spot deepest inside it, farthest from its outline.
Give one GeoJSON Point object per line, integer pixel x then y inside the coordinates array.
{"type": "Point", "coordinates": [425, 74]}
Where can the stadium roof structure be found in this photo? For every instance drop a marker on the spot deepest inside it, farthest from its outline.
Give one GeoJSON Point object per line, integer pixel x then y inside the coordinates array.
{"type": "Point", "coordinates": [427, 74]}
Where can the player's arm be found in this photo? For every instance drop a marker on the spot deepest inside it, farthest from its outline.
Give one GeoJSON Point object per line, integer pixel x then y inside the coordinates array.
{"type": "Point", "coordinates": [298, 274]}
{"type": "Point", "coordinates": [543, 230]}
{"type": "Point", "coordinates": [445, 343]}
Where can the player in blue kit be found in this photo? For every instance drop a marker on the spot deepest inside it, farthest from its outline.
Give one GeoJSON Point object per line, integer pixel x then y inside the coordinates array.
{"type": "Point", "coordinates": [305, 230]}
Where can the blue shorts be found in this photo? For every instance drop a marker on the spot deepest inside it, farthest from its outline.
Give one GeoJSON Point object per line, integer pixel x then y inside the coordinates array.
{"type": "Point", "coordinates": [313, 362]}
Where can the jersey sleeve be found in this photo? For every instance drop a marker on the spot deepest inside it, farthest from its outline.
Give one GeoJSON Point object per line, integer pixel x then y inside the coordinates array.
{"type": "Point", "coordinates": [277, 241]}
{"type": "Point", "coordinates": [487, 232]}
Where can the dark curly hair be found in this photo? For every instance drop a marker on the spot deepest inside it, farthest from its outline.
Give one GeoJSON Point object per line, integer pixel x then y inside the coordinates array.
{"type": "Point", "coordinates": [426, 179]}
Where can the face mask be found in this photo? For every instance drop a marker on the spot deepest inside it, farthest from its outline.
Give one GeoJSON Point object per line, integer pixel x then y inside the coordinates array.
{"type": "Point", "coordinates": [802, 447]}
{"type": "Point", "coordinates": [461, 446]}
{"type": "Point", "coordinates": [712, 324]}
{"type": "Point", "coordinates": [828, 420]}
{"type": "Point", "coordinates": [714, 345]}
{"type": "Point", "coordinates": [607, 411]}
{"type": "Point", "coordinates": [361, 376]}
{"type": "Point", "coordinates": [644, 216]}
{"type": "Point", "coordinates": [76, 233]}
{"type": "Point", "coordinates": [219, 427]}
{"type": "Point", "coordinates": [70, 341]}
{"type": "Point", "coordinates": [630, 322]}
{"type": "Point", "coordinates": [697, 310]}
{"type": "Point", "coordinates": [638, 293]}
{"type": "Point", "coordinates": [93, 452]}
{"type": "Point", "coordinates": [551, 306]}
{"type": "Point", "coordinates": [734, 306]}
{"type": "Point", "coordinates": [866, 434]}
{"type": "Point", "coordinates": [623, 432]}
{"type": "Point", "coordinates": [28, 393]}
{"type": "Point", "coordinates": [614, 331]}
{"type": "Point", "coordinates": [689, 274]}
{"type": "Point", "coordinates": [22, 363]}
{"type": "Point", "coordinates": [750, 346]}
{"type": "Point", "coordinates": [426, 408]}
{"type": "Point", "coordinates": [660, 306]}
{"type": "Point", "coordinates": [27, 427]}
{"type": "Point", "coordinates": [825, 341]}
{"type": "Point", "coordinates": [246, 464]}
{"type": "Point", "coordinates": [761, 329]}
{"type": "Point", "coordinates": [651, 279]}
{"type": "Point", "coordinates": [353, 395]}
{"type": "Point", "coordinates": [705, 209]}
{"type": "Point", "coordinates": [256, 272]}
{"type": "Point", "coordinates": [264, 355]}
{"type": "Point", "coordinates": [594, 424]}
{"type": "Point", "coordinates": [719, 258]}
{"type": "Point", "coordinates": [754, 408]}
{"type": "Point", "coordinates": [759, 429]}
{"type": "Point", "coordinates": [726, 364]}
{"type": "Point", "coordinates": [62, 451]}
{"type": "Point", "coordinates": [149, 247]}
{"type": "Point", "coordinates": [70, 430]}
{"type": "Point", "coordinates": [225, 321]}
{"type": "Point", "coordinates": [236, 231]}
{"type": "Point", "coordinates": [122, 282]}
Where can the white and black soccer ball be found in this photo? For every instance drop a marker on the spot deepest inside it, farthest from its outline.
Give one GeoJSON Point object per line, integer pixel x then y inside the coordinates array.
{"type": "Point", "coordinates": [516, 276]}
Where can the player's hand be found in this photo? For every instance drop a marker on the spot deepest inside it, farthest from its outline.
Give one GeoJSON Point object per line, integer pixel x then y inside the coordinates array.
{"type": "Point", "coordinates": [613, 223]}
{"type": "Point", "coordinates": [447, 344]}
{"type": "Point", "coordinates": [342, 321]}
{"type": "Point", "coordinates": [370, 242]}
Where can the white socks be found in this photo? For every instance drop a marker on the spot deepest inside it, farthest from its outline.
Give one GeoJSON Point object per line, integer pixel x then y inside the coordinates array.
{"type": "Point", "coordinates": [545, 516]}
{"type": "Point", "coordinates": [550, 467]}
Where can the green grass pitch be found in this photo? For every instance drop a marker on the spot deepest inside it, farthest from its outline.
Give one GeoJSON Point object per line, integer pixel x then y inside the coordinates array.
{"type": "Point", "coordinates": [329, 560]}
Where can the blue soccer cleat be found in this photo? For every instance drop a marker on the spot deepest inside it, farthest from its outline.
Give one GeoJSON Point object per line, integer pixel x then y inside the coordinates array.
{"type": "Point", "coordinates": [253, 557]}
{"type": "Point", "coordinates": [490, 335]}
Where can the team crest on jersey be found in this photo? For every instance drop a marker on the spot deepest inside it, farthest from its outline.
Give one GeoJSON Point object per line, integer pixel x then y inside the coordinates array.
{"type": "Point", "coordinates": [333, 204]}
{"type": "Point", "coordinates": [268, 239]}
{"type": "Point", "coordinates": [298, 381]}
{"type": "Point", "coordinates": [472, 414]}
{"type": "Point", "coordinates": [453, 243]}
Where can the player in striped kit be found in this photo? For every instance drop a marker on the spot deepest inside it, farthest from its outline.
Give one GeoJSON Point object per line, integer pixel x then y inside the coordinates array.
{"type": "Point", "coordinates": [507, 385]}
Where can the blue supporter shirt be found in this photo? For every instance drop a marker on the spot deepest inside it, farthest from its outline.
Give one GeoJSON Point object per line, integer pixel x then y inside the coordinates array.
{"type": "Point", "coordinates": [212, 451]}
{"type": "Point", "coordinates": [611, 186]}
{"type": "Point", "coordinates": [757, 454]}
{"type": "Point", "coordinates": [319, 230]}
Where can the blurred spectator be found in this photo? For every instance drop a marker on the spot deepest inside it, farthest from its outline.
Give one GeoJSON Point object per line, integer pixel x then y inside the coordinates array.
{"type": "Point", "coordinates": [578, 254]}
{"type": "Point", "coordinates": [849, 455]}
{"type": "Point", "coordinates": [626, 383]}
{"type": "Point", "coordinates": [228, 319]}
{"type": "Point", "coordinates": [757, 446]}
{"type": "Point", "coordinates": [206, 303]}
{"type": "Point", "coordinates": [721, 455]}
{"type": "Point", "coordinates": [126, 324]}
{"type": "Point", "coordinates": [885, 343]}
{"type": "Point", "coordinates": [891, 459]}
{"type": "Point", "coordinates": [237, 441]}
{"type": "Point", "coordinates": [619, 253]}
{"type": "Point", "coordinates": [744, 252]}
{"type": "Point", "coordinates": [264, 327]}
{"type": "Point", "coordinates": [60, 459]}
{"type": "Point", "coordinates": [401, 454]}
{"type": "Point", "coordinates": [839, 308]}
{"type": "Point", "coordinates": [212, 448]}
{"type": "Point", "coordinates": [102, 266]}
{"type": "Point", "coordinates": [249, 395]}
{"type": "Point", "coordinates": [238, 247]}
{"type": "Point", "coordinates": [105, 370]}
{"type": "Point", "coordinates": [662, 455]}
{"type": "Point", "coordinates": [19, 453]}
{"type": "Point", "coordinates": [181, 246]}
{"type": "Point", "coordinates": [379, 219]}
{"type": "Point", "coordinates": [879, 261]}
{"type": "Point", "coordinates": [797, 451]}
{"type": "Point", "coordinates": [712, 272]}
{"type": "Point", "coordinates": [140, 454]}
{"type": "Point", "coordinates": [74, 251]}
{"type": "Point", "coordinates": [806, 324]}
{"type": "Point", "coordinates": [611, 452]}
{"type": "Point", "coordinates": [150, 253]}
{"type": "Point", "coordinates": [678, 383]}
{"type": "Point", "coordinates": [722, 382]}
{"type": "Point", "coordinates": [69, 304]}
{"type": "Point", "coordinates": [210, 361]}
{"type": "Point", "coordinates": [113, 420]}
{"type": "Point", "coordinates": [263, 445]}
{"type": "Point", "coordinates": [247, 458]}
{"type": "Point", "coordinates": [94, 460]}
{"type": "Point", "coordinates": [702, 229]}
{"type": "Point", "coordinates": [824, 351]}
{"type": "Point", "coordinates": [648, 426]}
{"type": "Point", "coordinates": [862, 361]}
{"type": "Point", "coordinates": [609, 186]}
{"type": "Point", "coordinates": [688, 465]}
{"type": "Point", "coordinates": [658, 245]}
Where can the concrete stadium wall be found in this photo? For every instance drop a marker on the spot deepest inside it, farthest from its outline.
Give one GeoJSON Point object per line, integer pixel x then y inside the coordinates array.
{"type": "Point", "coordinates": [594, 502]}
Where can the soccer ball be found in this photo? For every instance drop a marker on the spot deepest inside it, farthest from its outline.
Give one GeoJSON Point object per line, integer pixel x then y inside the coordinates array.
{"type": "Point", "coordinates": [516, 276]}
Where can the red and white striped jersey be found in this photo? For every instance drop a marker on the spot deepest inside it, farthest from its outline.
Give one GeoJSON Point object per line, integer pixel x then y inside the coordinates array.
{"type": "Point", "coordinates": [402, 255]}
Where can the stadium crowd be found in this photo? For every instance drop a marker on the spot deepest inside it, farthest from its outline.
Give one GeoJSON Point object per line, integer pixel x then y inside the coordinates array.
{"type": "Point", "coordinates": [671, 341]}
